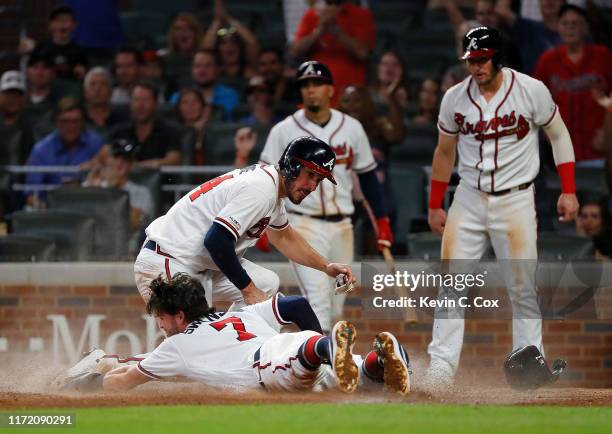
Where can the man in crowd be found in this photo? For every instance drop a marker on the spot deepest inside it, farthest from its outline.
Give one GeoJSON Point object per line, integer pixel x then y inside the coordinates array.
{"type": "Point", "coordinates": [16, 137]}
{"type": "Point", "coordinates": [100, 115]}
{"type": "Point", "coordinates": [127, 69]}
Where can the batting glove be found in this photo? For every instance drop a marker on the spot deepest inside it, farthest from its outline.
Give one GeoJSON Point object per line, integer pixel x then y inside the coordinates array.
{"type": "Point", "coordinates": [385, 235]}
{"type": "Point", "coordinates": [263, 243]}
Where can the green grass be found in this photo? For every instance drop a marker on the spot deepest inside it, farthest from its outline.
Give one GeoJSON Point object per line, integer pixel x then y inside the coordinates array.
{"type": "Point", "coordinates": [329, 418]}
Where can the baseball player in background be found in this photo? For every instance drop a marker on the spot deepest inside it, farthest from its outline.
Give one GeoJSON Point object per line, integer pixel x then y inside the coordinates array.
{"type": "Point", "coordinates": [323, 218]}
{"type": "Point", "coordinates": [492, 119]}
{"type": "Point", "coordinates": [245, 348]}
{"type": "Point", "coordinates": [206, 233]}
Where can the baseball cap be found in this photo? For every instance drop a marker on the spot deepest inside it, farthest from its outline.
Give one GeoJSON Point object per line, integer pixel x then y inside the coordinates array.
{"type": "Point", "coordinates": [123, 148]}
{"type": "Point", "coordinates": [12, 80]}
{"type": "Point", "coordinates": [258, 82]}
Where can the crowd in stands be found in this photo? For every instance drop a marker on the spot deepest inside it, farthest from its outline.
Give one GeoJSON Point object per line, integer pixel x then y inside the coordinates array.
{"type": "Point", "coordinates": [152, 104]}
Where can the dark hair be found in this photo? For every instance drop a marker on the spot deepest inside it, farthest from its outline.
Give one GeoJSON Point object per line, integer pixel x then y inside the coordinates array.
{"type": "Point", "coordinates": [149, 85]}
{"type": "Point", "coordinates": [68, 104]}
{"type": "Point", "coordinates": [186, 91]}
{"type": "Point", "coordinates": [133, 51]}
{"type": "Point", "coordinates": [209, 52]}
{"type": "Point", "coordinates": [279, 53]}
{"type": "Point", "coordinates": [180, 293]}
{"type": "Point", "coordinates": [570, 7]}
{"type": "Point", "coordinates": [61, 10]}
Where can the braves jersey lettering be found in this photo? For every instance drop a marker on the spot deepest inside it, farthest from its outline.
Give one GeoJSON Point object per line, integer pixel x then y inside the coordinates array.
{"type": "Point", "coordinates": [497, 140]}
{"type": "Point", "coordinates": [350, 143]}
{"type": "Point", "coordinates": [217, 349]}
{"type": "Point", "coordinates": [244, 201]}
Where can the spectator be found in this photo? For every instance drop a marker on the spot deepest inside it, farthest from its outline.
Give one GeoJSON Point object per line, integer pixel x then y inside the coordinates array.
{"type": "Point", "coordinates": [429, 103]}
{"type": "Point", "coordinates": [157, 142]}
{"type": "Point", "coordinates": [41, 77]}
{"type": "Point", "coordinates": [383, 132]}
{"type": "Point", "coordinates": [152, 70]}
{"type": "Point", "coordinates": [193, 112]}
{"type": "Point", "coordinates": [271, 66]}
{"type": "Point", "coordinates": [594, 222]}
{"type": "Point", "coordinates": [115, 174]}
{"type": "Point", "coordinates": [127, 69]}
{"type": "Point", "coordinates": [16, 138]}
{"type": "Point", "coordinates": [185, 35]}
{"type": "Point", "coordinates": [484, 14]}
{"type": "Point", "coordinates": [70, 59]}
{"type": "Point", "coordinates": [235, 44]}
{"type": "Point", "coordinates": [576, 72]}
{"type": "Point", "coordinates": [390, 75]}
{"type": "Point", "coordinates": [453, 75]}
{"type": "Point", "coordinates": [293, 11]}
{"type": "Point", "coordinates": [261, 104]}
{"type": "Point", "coordinates": [340, 35]}
{"type": "Point", "coordinates": [98, 88]}
{"type": "Point", "coordinates": [532, 38]}
{"type": "Point", "coordinates": [205, 72]}
{"type": "Point", "coordinates": [69, 145]}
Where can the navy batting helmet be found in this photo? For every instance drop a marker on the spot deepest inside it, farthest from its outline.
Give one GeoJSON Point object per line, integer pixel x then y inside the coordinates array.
{"type": "Point", "coordinates": [483, 42]}
{"type": "Point", "coordinates": [313, 70]}
{"type": "Point", "coordinates": [526, 369]}
{"type": "Point", "coordinates": [308, 152]}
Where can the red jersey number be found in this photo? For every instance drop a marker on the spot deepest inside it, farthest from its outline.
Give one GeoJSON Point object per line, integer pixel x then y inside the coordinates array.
{"type": "Point", "coordinates": [209, 185]}
{"type": "Point", "coordinates": [238, 325]}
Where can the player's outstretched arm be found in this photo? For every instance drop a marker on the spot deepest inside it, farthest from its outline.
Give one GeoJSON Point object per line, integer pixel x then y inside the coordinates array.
{"type": "Point", "coordinates": [295, 247]}
{"type": "Point", "coordinates": [124, 378]}
{"type": "Point", "coordinates": [441, 171]}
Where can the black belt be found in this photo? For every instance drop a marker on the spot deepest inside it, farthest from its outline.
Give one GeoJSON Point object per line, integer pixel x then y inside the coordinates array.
{"type": "Point", "coordinates": [334, 218]}
{"type": "Point", "coordinates": [152, 245]}
{"type": "Point", "coordinates": [524, 186]}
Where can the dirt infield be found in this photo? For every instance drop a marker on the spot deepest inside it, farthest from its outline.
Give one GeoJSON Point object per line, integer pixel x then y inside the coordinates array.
{"type": "Point", "coordinates": [24, 383]}
{"type": "Point", "coordinates": [185, 394]}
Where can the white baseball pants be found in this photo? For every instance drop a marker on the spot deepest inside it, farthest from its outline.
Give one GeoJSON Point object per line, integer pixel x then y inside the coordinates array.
{"type": "Point", "coordinates": [509, 223]}
{"type": "Point", "coordinates": [150, 265]}
{"type": "Point", "coordinates": [334, 241]}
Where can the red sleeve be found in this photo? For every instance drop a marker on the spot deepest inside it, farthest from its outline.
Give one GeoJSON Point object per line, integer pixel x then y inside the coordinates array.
{"type": "Point", "coordinates": [366, 33]}
{"type": "Point", "coordinates": [308, 23]}
{"type": "Point", "coordinates": [540, 71]}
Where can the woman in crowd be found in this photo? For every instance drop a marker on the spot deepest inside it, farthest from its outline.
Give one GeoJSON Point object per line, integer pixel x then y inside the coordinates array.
{"type": "Point", "coordinates": [390, 79]}
{"type": "Point", "coordinates": [193, 112]}
{"type": "Point", "coordinates": [184, 38]}
{"type": "Point", "coordinates": [429, 102]}
{"type": "Point", "coordinates": [594, 222]}
{"type": "Point", "coordinates": [382, 131]}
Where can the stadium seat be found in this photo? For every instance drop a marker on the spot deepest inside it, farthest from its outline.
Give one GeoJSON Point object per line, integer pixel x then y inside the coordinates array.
{"type": "Point", "coordinates": [409, 190]}
{"type": "Point", "coordinates": [164, 6]}
{"type": "Point", "coordinates": [588, 180]}
{"type": "Point", "coordinates": [553, 246]}
{"type": "Point", "coordinates": [424, 245]}
{"type": "Point", "coordinates": [72, 232]}
{"type": "Point", "coordinates": [24, 248]}
{"type": "Point", "coordinates": [109, 207]}
{"type": "Point", "coordinates": [141, 27]}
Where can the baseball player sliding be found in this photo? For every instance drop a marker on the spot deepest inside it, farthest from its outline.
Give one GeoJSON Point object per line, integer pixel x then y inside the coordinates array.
{"type": "Point", "coordinates": [244, 348]}
{"type": "Point", "coordinates": [207, 231]}
{"type": "Point", "coordinates": [492, 119]}
{"type": "Point", "coordinates": [323, 218]}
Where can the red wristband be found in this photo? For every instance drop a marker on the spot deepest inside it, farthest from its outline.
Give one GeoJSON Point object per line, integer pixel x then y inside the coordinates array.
{"type": "Point", "coordinates": [567, 174]}
{"type": "Point", "coordinates": [437, 190]}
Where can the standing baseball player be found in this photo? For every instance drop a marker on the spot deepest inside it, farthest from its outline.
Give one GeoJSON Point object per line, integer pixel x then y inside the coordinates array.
{"type": "Point", "coordinates": [245, 348]}
{"type": "Point", "coordinates": [206, 233]}
{"type": "Point", "coordinates": [492, 119]}
{"type": "Point", "coordinates": [323, 218]}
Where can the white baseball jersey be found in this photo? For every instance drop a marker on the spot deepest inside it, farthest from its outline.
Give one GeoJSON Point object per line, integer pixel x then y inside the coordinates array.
{"type": "Point", "coordinates": [497, 140]}
{"type": "Point", "coordinates": [349, 141]}
{"type": "Point", "coordinates": [244, 201]}
{"type": "Point", "coordinates": [218, 349]}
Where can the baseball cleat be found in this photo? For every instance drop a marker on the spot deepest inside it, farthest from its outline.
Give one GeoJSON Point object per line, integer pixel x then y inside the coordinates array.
{"type": "Point", "coordinates": [85, 366]}
{"type": "Point", "coordinates": [342, 341]}
{"type": "Point", "coordinates": [396, 363]}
